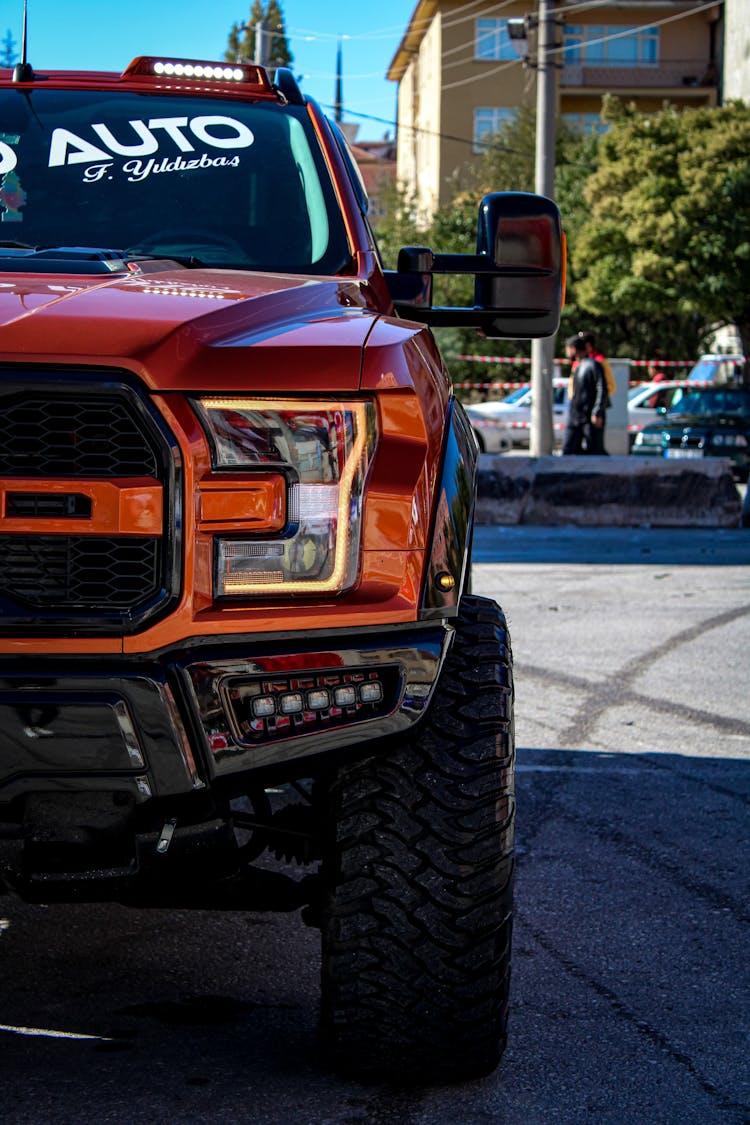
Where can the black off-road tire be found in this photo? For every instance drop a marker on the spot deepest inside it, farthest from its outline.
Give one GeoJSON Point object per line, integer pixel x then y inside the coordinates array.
{"type": "Point", "coordinates": [418, 877]}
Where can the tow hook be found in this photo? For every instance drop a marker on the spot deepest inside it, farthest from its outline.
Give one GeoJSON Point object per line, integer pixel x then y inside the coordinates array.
{"type": "Point", "coordinates": [165, 837]}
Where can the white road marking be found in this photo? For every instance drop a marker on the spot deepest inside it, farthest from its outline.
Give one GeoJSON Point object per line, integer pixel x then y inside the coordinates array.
{"type": "Point", "coordinates": [48, 1033]}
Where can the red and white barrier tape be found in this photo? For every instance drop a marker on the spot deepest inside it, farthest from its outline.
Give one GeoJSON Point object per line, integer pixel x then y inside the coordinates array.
{"type": "Point", "coordinates": [523, 386]}
{"type": "Point", "coordinates": [495, 424]}
{"type": "Point", "coordinates": [662, 362]}
{"type": "Point", "coordinates": [493, 386]}
{"type": "Point", "coordinates": [523, 359]}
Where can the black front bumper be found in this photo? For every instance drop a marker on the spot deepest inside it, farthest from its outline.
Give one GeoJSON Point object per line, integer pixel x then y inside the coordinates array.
{"type": "Point", "coordinates": [175, 723]}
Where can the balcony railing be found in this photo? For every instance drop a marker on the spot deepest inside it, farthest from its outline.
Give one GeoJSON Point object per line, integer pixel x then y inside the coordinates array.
{"type": "Point", "coordinates": [667, 74]}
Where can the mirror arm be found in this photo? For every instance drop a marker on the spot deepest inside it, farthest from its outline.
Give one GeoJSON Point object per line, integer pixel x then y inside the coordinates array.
{"type": "Point", "coordinates": [518, 271]}
{"type": "Point", "coordinates": [421, 260]}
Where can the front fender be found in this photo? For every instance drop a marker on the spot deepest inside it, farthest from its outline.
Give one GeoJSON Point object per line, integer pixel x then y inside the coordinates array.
{"type": "Point", "coordinates": [449, 551]}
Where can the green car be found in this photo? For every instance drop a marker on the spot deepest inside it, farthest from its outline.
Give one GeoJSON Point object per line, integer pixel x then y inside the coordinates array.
{"type": "Point", "coordinates": [706, 422]}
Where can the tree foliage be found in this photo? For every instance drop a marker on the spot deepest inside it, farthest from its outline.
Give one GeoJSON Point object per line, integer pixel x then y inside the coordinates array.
{"type": "Point", "coordinates": [241, 39]}
{"type": "Point", "coordinates": [665, 246]}
{"type": "Point", "coordinates": [396, 224]}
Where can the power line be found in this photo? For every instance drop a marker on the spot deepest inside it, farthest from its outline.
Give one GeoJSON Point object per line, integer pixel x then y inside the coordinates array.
{"type": "Point", "coordinates": [565, 48]}
{"type": "Point", "coordinates": [467, 44]}
{"type": "Point", "coordinates": [488, 146]}
{"type": "Point", "coordinates": [470, 42]}
{"type": "Point", "coordinates": [572, 7]}
{"type": "Point", "coordinates": [630, 30]}
{"type": "Point", "coordinates": [508, 64]}
{"type": "Point", "coordinates": [395, 30]}
{"type": "Point", "coordinates": [432, 132]}
{"type": "Point", "coordinates": [486, 74]}
{"type": "Point", "coordinates": [347, 76]}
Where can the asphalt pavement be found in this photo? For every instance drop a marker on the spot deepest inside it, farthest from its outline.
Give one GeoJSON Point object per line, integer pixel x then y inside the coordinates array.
{"type": "Point", "coordinates": [631, 979]}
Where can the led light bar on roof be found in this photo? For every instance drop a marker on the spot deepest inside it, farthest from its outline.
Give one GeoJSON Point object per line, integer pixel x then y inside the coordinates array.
{"type": "Point", "coordinates": [198, 70]}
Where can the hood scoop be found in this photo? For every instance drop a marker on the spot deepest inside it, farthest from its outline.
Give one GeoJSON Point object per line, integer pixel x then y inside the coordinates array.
{"type": "Point", "coordinates": [17, 258]}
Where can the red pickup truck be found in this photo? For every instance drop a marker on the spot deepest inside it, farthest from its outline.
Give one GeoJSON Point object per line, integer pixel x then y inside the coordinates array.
{"type": "Point", "coordinates": [240, 665]}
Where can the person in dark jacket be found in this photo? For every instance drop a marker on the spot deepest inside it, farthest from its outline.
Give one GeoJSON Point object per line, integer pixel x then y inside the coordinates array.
{"type": "Point", "coordinates": [597, 432]}
{"type": "Point", "coordinates": [588, 402]}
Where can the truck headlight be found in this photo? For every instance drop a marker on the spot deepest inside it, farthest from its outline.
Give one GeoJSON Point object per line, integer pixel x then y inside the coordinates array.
{"type": "Point", "coordinates": [323, 450]}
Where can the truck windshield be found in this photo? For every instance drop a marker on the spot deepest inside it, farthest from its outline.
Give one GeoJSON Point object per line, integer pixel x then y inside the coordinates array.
{"type": "Point", "coordinates": [215, 182]}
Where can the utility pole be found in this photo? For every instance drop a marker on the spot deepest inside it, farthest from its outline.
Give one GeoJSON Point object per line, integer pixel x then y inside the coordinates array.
{"type": "Point", "coordinates": [261, 44]}
{"type": "Point", "coordinates": [338, 104]}
{"type": "Point", "coordinates": [543, 351]}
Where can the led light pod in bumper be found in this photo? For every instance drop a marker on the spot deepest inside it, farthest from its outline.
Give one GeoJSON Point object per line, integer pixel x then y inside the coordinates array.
{"type": "Point", "coordinates": [323, 449]}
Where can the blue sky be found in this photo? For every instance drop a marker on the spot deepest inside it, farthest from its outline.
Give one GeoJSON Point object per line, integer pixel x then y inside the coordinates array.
{"type": "Point", "coordinates": [107, 34]}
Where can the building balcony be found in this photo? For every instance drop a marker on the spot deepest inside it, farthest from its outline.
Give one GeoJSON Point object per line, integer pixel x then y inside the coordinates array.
{"type": "Point", "coordinates": [670, 74]}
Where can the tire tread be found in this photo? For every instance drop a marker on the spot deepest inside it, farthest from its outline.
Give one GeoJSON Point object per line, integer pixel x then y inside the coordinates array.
{"type": "Point", "coordinates": [418, 910]}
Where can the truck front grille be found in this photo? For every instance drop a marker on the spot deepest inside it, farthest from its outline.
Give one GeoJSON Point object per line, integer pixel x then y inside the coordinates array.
{"type": "Point", "coordinates": [60, 570]}
{"type": "Point", "coordinates": [55, 427]}
{"type": "Point", "coordinates": [47, 435]}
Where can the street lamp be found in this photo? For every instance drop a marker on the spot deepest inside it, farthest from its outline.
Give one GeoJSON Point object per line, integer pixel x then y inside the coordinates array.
{"type": "Point", "coordinates": [518, 28]}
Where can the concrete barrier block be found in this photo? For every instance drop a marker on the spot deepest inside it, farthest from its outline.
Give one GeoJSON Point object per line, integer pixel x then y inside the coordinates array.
{"type": "Point", "coordinates": [607, 492]}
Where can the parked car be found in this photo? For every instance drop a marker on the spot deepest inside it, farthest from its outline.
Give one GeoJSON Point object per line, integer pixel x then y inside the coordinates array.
{"type": "Point", "coordinates": [705, 422]}
{"type": "Point", "coordinates": [647, 400]}
{"type": "Point", "coordinates": [509, 419]}
{"type": "Point", "coordinates": [492, 434]}
{"type": "Point", "coordinates": [502, 425]}
{"type": "Point", "coordinates": [719, 369]}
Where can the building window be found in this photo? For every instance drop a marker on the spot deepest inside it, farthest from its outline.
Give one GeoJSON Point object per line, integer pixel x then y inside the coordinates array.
{"type": "Point", "coordinates": [584, 123]}
{"type": "Point", "coordinates": [600, 45]}
{"type": "Point", "coordinates": [489, 120]}
{"type": "Point", "coordinates": [493, 42]}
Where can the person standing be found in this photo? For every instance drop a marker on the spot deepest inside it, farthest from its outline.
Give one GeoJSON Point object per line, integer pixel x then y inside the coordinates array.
{"type": "Point", "coordinates": [588, 403]}
{"type": "Point", "coordinates": [610, 384]}
{"type": "Point", "coordinates": [655, 374]}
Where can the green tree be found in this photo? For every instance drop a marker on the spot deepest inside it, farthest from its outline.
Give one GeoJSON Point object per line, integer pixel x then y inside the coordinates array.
{"type": "Point", "coordinates": [397, 225]}
{"type": "Point", "coordinates": [665, 248]}
{"type": "Point", "coordinates": [279, 52]}
{"type": "Point", "coordinates": [241, 39]}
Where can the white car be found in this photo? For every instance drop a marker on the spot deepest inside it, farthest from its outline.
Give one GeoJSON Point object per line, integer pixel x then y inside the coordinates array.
{"type": "Point", "coordinates": [502, 425]}
{"type": "Point", "coordinates": [492, 434]}
{"type": "Point", "coordinates": [646, 400]}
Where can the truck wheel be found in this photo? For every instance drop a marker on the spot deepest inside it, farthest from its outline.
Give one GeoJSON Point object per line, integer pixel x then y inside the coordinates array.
{"type": "Point", "coordinates": [418, 879]}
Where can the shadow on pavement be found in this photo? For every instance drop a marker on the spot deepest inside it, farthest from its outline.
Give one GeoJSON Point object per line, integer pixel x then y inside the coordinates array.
{"type": "Point", "coordinates": [612, 545]}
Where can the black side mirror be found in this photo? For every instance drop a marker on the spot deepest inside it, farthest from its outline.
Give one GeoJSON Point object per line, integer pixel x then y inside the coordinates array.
{"type": "Point", "coordinates": [522, 234]}
{"type": "Point", "coordinates": [519, 268]}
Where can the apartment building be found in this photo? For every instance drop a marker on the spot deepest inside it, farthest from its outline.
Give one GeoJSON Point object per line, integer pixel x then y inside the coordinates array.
{"type": "Point", "coordinates": [736, 50]}
{"type": "Point", "coordinates": [460, 74]}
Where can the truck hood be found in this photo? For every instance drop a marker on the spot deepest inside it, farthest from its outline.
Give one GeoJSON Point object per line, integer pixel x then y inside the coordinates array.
{"type": "Point", "coordinates": [193, 330]}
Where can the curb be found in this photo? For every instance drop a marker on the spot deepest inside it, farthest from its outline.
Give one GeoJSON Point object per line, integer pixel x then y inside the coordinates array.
{"type": "Point", "coordinates": [606, 492]}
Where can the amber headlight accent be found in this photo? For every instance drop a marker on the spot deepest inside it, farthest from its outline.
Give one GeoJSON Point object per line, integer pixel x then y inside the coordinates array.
{"type": "Point", "coordinates": [323, 449]}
